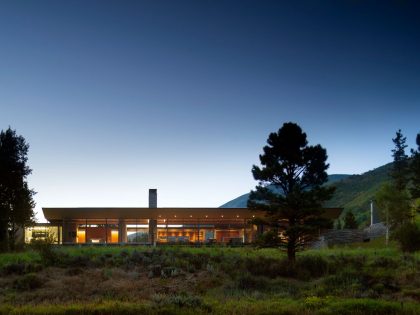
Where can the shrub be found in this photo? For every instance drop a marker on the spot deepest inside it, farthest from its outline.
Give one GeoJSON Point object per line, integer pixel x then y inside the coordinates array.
{"type": "Point", "coordinates": [408, 237]}
{"type": "Point", "coordinates": [268, 239]}
{"type": "Point", "coordinates": [77, 261]}
{"type": "Point", "coordinates": [20, 268]}
{"type": "Point", "coordinates": [29, 281]}
{"type": "Point", "coordinates": [168, 272]}
{"type": "Point", "coordinates": [250, 282]}
{"type": "Point", "coordinates": [137, 257]}
{"type": "Point", "coordinates": [179, 300]}
{"type": "Point", "coordinates": [154, 271]}
{"type": "Point", "coordinates": [385, 262]}
{"type": "Point", "coordinates": [45, 248]}
{"type": "Point", "coordinates": [268, 267]}
{"type": "Point", "coordinates": [313, 266]}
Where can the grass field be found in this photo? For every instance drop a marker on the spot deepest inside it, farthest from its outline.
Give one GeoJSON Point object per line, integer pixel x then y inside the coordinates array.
{"type": "Point", "coordinates": [363, 278]}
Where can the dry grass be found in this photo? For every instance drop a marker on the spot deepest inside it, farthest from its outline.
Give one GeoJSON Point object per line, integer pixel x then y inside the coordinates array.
{"type": "Point", "coordinates": [95, 284]}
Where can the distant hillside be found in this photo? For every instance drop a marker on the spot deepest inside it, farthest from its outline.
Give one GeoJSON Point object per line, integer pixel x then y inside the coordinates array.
{"type": "Point", "coordinates": [241, 201]}
{"type": "Point", "coordinates": [353, 192]}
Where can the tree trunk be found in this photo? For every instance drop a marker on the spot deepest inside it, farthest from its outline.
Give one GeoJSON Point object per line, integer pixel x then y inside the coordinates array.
{"type": "Point", "coordinates": [4, 240]}
{"type": "Point", "coordinates": [291, 252]}
{"type": "Point", "coordinates": [12, 236]}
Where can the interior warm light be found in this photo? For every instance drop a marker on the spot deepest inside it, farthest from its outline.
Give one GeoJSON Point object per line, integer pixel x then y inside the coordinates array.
{"type": "Point", "coordinates": [207, 216]}
{"type": "Point", "coordinates": [253, 216]}
{"type": "Point", "coordinates": [174, 215]}
{"type": "Point", "coordinates": [237, 215]}
{"type": "Point", "coordinates": [137, 226]}
{"type": "Point", "coordinates": [114, 236]}
{"type": "Point", "coordinates": [170, 226]}
{"type": "Point", "coordinates": [222, 215]}
{"type": "Point", "coordinates": [190, 216]}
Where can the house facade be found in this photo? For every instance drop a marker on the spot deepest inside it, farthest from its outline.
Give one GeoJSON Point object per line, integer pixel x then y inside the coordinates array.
{"type": "Point", "coordinates": [150, 225]}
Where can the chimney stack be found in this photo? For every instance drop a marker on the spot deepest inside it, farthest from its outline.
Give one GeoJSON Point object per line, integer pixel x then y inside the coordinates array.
{"type": "Point", "coordinates": [152, 198]}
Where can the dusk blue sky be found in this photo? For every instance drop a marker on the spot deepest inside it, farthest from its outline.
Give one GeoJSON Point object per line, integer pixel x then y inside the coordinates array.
{"type": "Point", "coordinates": [115, 97]}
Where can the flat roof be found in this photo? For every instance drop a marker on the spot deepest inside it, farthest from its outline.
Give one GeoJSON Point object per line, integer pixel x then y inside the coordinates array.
{"type": "Point", "coordinates": [58, 214]}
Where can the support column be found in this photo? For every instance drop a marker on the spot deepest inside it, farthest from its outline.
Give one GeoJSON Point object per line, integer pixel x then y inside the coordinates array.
{"type": "Point", "coordinates": [198, 230]}
{"type": "Point", "coordinates": [260, 229]}
{"type": "Point", "coordinates": [106, 231]}
{"type": "Point", "coordinates": [152, 231]}
{"type": "Point", "coordinates": [244, 237]}
{"type": "Point", "coordinates": [122, 231]}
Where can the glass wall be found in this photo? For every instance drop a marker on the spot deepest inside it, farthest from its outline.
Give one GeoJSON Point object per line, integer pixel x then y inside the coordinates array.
{"type": "Point", "coordinates": [137, 231]}
{"type": "Point", "coordinates": [202, 231]}
{"type": "Point", "coordinates": [97, 232]}
{"type": "Point", "coordinates": [42, 232]}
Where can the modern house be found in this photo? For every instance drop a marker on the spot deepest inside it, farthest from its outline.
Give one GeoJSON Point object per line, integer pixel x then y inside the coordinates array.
{"type": "Point", "coordinates": [150, 225]}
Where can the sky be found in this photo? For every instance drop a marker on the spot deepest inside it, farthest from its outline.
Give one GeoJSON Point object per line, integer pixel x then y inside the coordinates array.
{"type": "Point", "coordinates": [116, 97]}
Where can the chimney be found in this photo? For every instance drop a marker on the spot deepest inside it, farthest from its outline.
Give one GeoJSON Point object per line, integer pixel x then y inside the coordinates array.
{"type": "Point", "coordinates": [152, 198]}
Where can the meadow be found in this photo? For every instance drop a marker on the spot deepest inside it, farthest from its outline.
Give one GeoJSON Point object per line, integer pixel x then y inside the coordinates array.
{"type": "Point", "coordinates": [362, 279]}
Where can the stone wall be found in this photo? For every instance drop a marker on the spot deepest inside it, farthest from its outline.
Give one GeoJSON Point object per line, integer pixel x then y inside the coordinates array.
{"type": "Point", "coordinates": [348, 236]}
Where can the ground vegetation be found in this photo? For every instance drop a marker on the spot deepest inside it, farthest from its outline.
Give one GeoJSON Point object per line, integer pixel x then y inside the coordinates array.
{"type": "Point", "coordinates": [361, 279]}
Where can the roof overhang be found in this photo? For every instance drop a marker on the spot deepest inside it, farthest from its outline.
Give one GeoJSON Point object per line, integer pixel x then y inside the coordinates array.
{"type": "Point", "coordinates": [59, 214]}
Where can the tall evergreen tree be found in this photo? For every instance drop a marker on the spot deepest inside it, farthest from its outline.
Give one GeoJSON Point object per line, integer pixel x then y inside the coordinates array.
{"type": "Point", "coordinates": [399, 171]}
{"type": "Point", "coordinates": [297, 172]}
{"type": "Point", "coordinates": [415, 170]}
{"type": "Point", "coordinates": [16, 199]}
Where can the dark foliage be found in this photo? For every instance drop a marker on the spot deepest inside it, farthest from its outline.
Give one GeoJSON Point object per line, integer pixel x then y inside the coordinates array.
{"type": "Point", "coordinates": [298, 172]}
{"type": "Point", "coordinates": [415, 170]}
{"type": "Point", "coordinates": [45, 248]}
{"type": "Point", "coordinates": [408, 237]}
{"type": "Point", "coordinates": [16, 199]}
{"type": "Point", "coordinates": [399, 171]}
{"type": "Point", "coordinates": [268, 239]}
{"type": "Point", "coordinates": [29, 281]}
{"type": "Point", "coordinates": [350, 221]}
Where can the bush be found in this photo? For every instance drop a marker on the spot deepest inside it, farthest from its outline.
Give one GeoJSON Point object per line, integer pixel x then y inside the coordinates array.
{"type": "Point", "coordinates": [250, 282]}
{"type": "Point", "coordinates": [408, 237]}
{"type": "Point", "coordinates": [179, 300]}
{"type": "Point", "coordinates": [20, 268]}
{"type": "Point", "coordinates": [45, 248]}
{"type": "Point", "coordinates": [268, 239]}
{"type": "Point", "coordinates": [268, 267]}
{"type": "Point", "coordinates": [312, 266]}
{"type": "Point", "coordinates": [29, 281]}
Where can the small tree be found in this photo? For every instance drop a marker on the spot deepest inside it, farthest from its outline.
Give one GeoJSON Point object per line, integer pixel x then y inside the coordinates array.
{"type": "Point", "coordinates": [350, 221]}
{"type": "Point", "coordinates": [399, 173]}
{"type": "Point", "coordinates": [297, 173]}
{"type": "Point", "coordinates": [394, 205]}
{"type": "Point", "coordinates": [16, 203]}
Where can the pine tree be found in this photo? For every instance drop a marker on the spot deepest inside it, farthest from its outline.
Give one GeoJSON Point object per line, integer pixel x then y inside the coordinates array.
{"type": "Point", "coordinates": [399, 173]}
{"type": "Point", "coordinates": [297, 172]}
{"type": "Point", "coordinates": [415, 170]}
{"type": "Point", "coordinates": [16, 199]}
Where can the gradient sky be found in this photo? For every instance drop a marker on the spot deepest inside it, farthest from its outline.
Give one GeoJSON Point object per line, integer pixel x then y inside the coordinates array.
{"type": "Point", "coordinates": [115, 97]}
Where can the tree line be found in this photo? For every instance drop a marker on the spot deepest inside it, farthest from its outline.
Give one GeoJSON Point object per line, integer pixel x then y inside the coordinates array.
{"type": "Point", "coordinates": [399, 199]}
{"type": "Point", "coordinates": [291, 189]}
